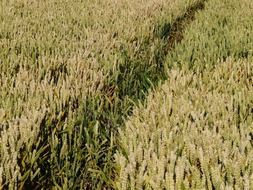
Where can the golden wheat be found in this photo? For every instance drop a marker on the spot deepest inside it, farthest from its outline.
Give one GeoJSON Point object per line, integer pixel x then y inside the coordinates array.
{"type": "Point", "coordinates": [55, 56]}
{"type": "Point", "coordinates": [195, 133]}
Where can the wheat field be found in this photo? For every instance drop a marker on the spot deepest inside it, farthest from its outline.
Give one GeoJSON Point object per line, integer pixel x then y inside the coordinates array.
{"type": "Point", "coordinates": [194, 133]}
{"type": "Point", "coordinates": [61, 64]}
{"type": "Point", "coordinates": [195, 130]}
{"type": "Point", "coordinates": [126, 94]}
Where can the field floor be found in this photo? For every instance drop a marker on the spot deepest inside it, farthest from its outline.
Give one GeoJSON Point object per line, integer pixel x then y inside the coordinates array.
{"type": "Point", "coordinates": [126, 94]}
